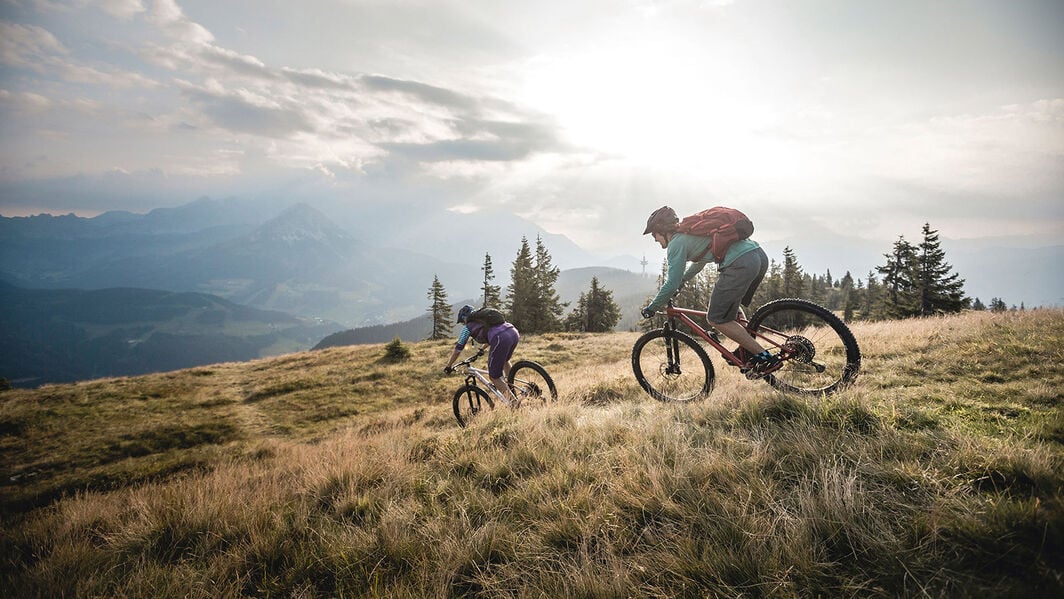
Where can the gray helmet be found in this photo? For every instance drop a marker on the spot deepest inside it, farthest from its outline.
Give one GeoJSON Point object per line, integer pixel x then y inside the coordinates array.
{"type": "Point", "coordinates": [663, 220]}
{"type": "Point", "coordinates": [464, 313]}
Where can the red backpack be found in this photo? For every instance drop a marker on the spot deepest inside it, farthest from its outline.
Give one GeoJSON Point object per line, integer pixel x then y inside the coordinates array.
{"type": "Point", "coordinates": [724, 225]}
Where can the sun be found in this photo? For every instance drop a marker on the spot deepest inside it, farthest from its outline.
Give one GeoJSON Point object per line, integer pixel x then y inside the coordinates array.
{"type": "Point", "coordinates": [661, 105]}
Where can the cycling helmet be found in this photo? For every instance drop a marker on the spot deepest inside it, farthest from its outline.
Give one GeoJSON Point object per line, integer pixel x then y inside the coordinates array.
{"type": "Point", "coordinates": [464, 313]}
{"type": "Point", "coordinates": [663, 220]}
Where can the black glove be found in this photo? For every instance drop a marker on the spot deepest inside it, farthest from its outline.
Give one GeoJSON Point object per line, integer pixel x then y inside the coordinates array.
{"type": "Point", "coordinates": [448, 369]}
{"type": "Point", "coordinates": [647, 313]}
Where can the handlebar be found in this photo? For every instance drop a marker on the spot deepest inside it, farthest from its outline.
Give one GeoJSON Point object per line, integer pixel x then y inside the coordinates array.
{"type": "Point", "coordinates": [471, 359]}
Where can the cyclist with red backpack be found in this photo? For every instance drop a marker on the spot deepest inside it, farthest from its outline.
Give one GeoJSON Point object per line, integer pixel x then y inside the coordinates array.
{"type": "Point", "coordinates": [723, 235]}
{"type": "Point", "coordinates": [487, 325]}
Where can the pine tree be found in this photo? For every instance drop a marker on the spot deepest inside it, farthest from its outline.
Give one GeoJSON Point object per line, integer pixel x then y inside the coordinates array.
{"type": "Point", "coordinates": [595, 311]}
{"type": "Point", "coordinates": [547, 308]}
{"type": "Point", "coordinates": [998, 305]}
{"type": "Point", "coordinates": [491, 292]}
{"type": "Point", "coordinates": [847, 297]}
{"type": "Point", "coordinates": [440, 310]}
{"type": "Point", "coordinates": [521, 293]}
{"type": "Point", "coordinates": [871, 306]}
{"type": "Point", "coordinates": [901, 299]}
{"type": "Point", "coordinates": [938, 291]}
{"type": "Point", "coordinates": [793, 284]}
{"type": "Point", "coordinates": [978, 305]}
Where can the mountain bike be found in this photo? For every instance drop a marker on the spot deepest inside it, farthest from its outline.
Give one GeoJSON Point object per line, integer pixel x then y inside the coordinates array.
{"type": "Point", "coordinates": [528, 380]}
{"type": "Point", "coordinates": [819, 354]}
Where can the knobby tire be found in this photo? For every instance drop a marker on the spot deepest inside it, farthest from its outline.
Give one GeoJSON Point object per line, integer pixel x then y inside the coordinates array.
{"type": "Point", "coordinates": [469, 400]}
{"type": "Point", "coordinates": [530, 381]}
{"type": "Point", "coordinates": [826, 357]}
{"type": "Point", "coordinates": [688, 376]}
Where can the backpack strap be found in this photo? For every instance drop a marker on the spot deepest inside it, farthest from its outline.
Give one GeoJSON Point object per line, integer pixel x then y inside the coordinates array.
{"type": "Point", "coordinates": [703, 253]}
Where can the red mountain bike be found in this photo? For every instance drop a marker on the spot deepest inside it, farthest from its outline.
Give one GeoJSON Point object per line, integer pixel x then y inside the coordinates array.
{"type": "Point", "coordinates": [819, 353]}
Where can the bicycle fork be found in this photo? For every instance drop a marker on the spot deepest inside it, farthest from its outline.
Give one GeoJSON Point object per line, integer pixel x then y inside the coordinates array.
{"type": "Point", "coordinates": [672, 351]}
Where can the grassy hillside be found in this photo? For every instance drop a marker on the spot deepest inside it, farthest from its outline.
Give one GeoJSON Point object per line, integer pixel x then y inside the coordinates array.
{"type": "Point", "coordinates": [335, 474]}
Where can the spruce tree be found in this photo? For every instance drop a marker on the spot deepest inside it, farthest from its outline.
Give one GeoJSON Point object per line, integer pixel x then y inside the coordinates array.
{"type": "Point", "coordinates": [547, 308]}
{"type": "Point", "coordinates": [792, 281]}
{"type": "Point", "coordinates": [440, 310]}
{"type": "Point", "coordinates": [595, 311]}
{"type": "Point", "coordinates": [491, 292]}
{"type": "Point", "coordinates": [937, 290]}
{"type": "Point", "coordinates": [521, 293]}
{"type": "Point", "coordinates": [900, 298]}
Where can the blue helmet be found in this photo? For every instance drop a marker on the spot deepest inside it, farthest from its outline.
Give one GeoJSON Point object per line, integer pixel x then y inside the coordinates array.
{"type": "Point", "coordinates": [464, 313]}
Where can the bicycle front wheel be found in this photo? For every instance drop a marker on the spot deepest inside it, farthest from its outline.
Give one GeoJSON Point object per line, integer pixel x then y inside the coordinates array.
{"type": "Point", "coordinates": [530, 381]}
{"type": "Point", "coordinates": [821, 354]}
{"type": "Point", "coordinates": [469, 401]}
{"type": "Point", "coordinates": [672, 366]}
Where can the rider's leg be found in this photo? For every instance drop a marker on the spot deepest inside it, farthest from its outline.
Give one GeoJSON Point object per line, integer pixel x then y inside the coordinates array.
{"type": "Point", "coordinates": [736, 284]}
{"type": "Point", "coordinates": [503, 340]}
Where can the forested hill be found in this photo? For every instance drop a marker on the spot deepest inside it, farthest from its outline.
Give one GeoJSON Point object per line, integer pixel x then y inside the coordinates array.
{"type": "Point", "coordinates": [68, 335]}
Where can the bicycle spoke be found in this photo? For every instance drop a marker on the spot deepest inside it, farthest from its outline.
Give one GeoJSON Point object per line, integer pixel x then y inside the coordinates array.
{"type": "Point", "coordinates": [819, 351]}
{"type": "Point", "coordinates": [671, 366]}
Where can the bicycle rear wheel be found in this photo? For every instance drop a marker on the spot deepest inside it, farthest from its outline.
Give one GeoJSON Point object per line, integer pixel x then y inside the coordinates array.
{"type": "Point", "coordinates": [821, 354]}
{"type": "Point", "coordinates": [469, 401]}
{"type": "Point", "coordinates": [672, 366]}
{"type": "Point", "coordinates": [530, 381]}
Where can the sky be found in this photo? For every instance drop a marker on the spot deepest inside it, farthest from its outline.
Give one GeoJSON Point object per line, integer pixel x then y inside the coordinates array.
{"type": "Point", "coordinates": [858, 118]}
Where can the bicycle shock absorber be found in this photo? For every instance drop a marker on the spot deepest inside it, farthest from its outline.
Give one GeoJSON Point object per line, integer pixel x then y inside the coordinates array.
{"type": "Point", "coordinates": [672, 349]}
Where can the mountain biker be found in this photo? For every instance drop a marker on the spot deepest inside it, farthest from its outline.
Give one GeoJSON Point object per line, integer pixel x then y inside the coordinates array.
{"type": "Point", "coordinates": [740, 273]}
{"type": "Point", "coordinates": [502, 340]}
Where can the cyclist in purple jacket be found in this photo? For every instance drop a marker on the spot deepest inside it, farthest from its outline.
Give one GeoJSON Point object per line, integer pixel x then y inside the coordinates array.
{"type": "Point", "coordinates": [501, 339]}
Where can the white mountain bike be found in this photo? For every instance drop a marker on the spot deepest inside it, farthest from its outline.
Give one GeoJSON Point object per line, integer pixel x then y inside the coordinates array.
{"type": "Point", "coordinates": [528, 380]}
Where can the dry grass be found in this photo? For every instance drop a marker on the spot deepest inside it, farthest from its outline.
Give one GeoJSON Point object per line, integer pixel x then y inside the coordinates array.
{"type": "Point", "coordinates": [333, 474]}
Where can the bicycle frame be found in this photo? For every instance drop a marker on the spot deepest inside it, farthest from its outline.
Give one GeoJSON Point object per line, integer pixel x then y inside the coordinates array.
{"type": "Point", "coordinates": [686, 315]}
{"type": "Point", "coordinates": [474, 374]}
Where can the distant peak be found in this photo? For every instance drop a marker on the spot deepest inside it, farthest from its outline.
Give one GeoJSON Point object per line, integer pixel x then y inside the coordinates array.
{"type": "Point", "coordinates": [301, 222]}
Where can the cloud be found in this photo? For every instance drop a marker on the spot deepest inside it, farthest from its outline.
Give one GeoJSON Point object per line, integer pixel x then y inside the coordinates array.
{"type": "Point", "coordinates": [246, 111]}
{"type": "Point", "coordinates": [28, 46]}
{"type": "Point", "coordinates": [169, 17]}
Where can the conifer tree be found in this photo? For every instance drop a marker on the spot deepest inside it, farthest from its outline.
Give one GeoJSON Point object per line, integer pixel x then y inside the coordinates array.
{"type": "Point", "coordinates": [899, 281]}
{"type": "Point", "coordinates": [938, 291]}
{"type": "Point", "coordinates": [595, 311]}
{"type": "Point", "coordinates": [792, 283]}
{"type": "Point", "coordinates": [547, 308]}
{"type": "Point", "coordinates": [847, 300]}
{"type": "Point", "coordinates": [440, 310]}
{"type": "Point", "coordinates": [491, 292]}
{"type": "Point", "coordinates": [978, 305]}
{"type": "Point", "coordinates": [870, 307]}
{"type": "Point", "coordinates": [522, 291]}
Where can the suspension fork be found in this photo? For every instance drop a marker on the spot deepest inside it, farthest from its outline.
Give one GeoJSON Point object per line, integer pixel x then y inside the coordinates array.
{"type": "Point", "coordinates": [672, 348]}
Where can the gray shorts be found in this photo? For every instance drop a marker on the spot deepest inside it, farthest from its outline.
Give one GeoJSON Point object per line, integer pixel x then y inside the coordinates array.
{"type": "Point", "coordinates": [736, 283]}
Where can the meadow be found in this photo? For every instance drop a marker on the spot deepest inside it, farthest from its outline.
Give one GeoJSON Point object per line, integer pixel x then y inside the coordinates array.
{"type": "Point", "coordinates": [336, 473]}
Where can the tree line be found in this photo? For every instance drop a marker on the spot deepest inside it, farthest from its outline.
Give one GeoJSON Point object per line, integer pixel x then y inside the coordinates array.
{"type": "Point", "coordinates": [531, 302]}
{"type": "Point", "coordinates": [915, 280]}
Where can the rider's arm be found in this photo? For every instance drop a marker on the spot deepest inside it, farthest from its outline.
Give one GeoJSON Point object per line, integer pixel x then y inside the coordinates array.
{"type": "Point", "coordinates": [463, 337]}
{"type": "Point", "coordinates": [674, 275]}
